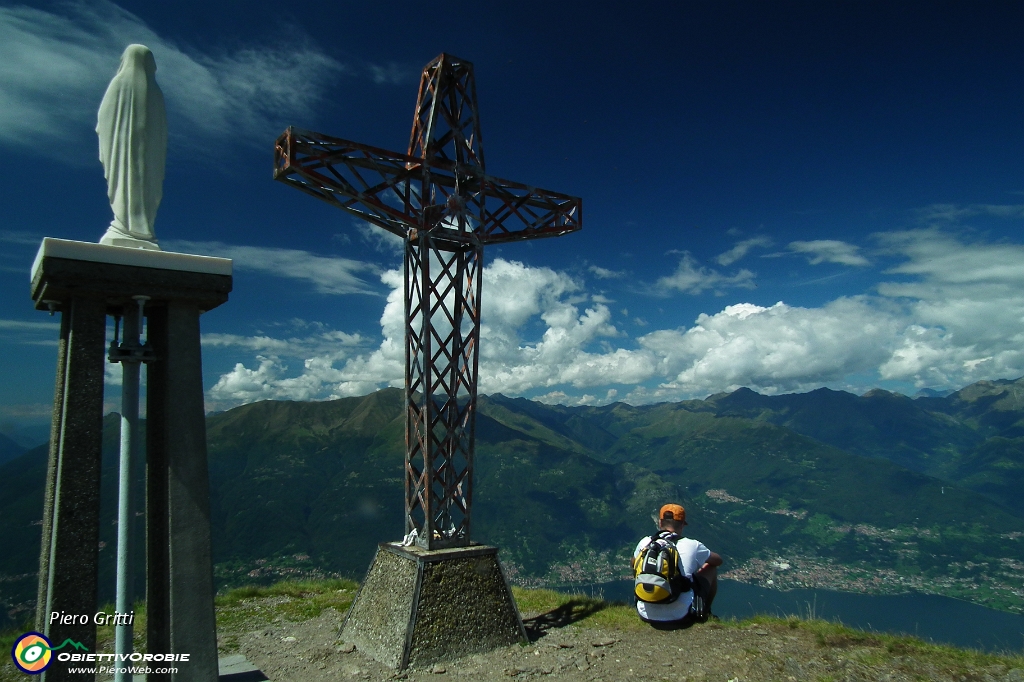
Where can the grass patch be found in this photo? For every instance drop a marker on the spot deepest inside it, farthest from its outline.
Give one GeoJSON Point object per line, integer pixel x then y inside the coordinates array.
{"type": "Point", "coordinates": [9, 635]}
{"type": "Point", "coordinates": [581, 609]}
{"type": "Point", "coordinates": [882, 647]}
{"type": "Point", "coordinates": [291, 600]}
{"type": "Point", "coordinates": [296, 589]}
{"type": "Point", "coordinates": [105, 633]}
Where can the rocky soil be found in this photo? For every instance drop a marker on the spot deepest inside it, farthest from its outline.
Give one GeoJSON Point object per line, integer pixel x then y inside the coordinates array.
{"type": "Point", "coordinates": [310, 651]}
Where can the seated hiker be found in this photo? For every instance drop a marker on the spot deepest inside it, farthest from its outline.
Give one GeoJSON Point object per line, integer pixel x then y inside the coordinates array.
{"type": "Point", "coordinates": [675, 578]}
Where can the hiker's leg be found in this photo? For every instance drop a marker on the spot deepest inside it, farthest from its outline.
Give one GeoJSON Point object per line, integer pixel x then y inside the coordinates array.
{"type": "Point", "coordinates": [710, 575]}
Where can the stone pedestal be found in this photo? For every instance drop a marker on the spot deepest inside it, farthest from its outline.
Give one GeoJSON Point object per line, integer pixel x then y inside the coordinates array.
{"type": "Point", "coordinates": [417, 607]}
{"type": "Point", "coordinates": [85, 283]}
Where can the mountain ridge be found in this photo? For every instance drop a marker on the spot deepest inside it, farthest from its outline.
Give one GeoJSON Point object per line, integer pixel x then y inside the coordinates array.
{"type": "Point", "coordinates": [311, 488]}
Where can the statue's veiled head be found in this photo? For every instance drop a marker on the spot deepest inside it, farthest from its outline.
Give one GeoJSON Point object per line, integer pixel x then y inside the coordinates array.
{"type": "Point", "coordinates": [138, 57]}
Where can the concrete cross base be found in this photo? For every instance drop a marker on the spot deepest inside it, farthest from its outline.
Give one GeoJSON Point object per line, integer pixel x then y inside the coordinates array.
{"type": "Point", "coordinates": [417, 607]}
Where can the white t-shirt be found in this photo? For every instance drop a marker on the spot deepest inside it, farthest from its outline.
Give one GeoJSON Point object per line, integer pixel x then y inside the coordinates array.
{"type": "Point", "coordinates": [692, 555]}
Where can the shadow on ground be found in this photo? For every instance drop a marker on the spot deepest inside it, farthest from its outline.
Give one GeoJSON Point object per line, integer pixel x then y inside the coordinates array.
{"type": "Point", "coordinates": [566, 614]}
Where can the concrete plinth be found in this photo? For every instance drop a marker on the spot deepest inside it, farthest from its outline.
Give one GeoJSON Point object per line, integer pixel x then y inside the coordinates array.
{"type": "Point", "coordinates": [85, 283]}
{"type": "Point", "coordinates": [418, 607]}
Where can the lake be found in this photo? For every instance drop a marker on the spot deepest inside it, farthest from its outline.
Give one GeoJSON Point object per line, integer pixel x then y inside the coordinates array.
{"type": "Point", "coordinates": [930, 617]}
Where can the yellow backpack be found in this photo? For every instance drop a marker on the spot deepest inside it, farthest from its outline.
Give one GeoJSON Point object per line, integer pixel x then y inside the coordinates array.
{"type": "Point", "coordinates": [656, 576]}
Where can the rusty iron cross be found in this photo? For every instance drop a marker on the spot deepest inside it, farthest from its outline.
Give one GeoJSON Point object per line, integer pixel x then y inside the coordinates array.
{"type": "Point", "coordinates": [438, 198]}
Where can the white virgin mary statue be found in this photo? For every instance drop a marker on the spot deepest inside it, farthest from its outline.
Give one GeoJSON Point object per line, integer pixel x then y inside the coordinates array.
{"type": "Point", "coordinates": [132, 127]}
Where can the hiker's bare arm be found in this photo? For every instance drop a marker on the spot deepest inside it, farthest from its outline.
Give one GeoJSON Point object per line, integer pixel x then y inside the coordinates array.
{"type": "Point", "coordinates": [713, 560]}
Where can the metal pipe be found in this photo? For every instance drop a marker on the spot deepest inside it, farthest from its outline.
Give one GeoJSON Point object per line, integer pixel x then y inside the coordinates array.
{"type": "Point", "coordinates": [130, 358]}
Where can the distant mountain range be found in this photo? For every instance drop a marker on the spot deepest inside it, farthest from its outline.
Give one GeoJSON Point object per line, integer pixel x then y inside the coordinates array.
{"type": "Point", "coordinates": [9, 449]}
{"type": "Point", "coordinates": [920, 487]}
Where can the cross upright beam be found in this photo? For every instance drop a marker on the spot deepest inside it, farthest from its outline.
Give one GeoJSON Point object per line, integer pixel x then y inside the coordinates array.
{"type": "Point", "coordinates": [439, 199]}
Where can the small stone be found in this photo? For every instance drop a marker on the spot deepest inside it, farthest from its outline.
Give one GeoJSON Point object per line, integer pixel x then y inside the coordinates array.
{"type": "Point", "coordinates": [566, 645]}
{"type": "Point", "coordinates": [603, 642]}
{"type": "Point", "coordinates": [288, 639]}
{"type": "Point", "coordinates": [439, 669]}
{"type": "Point", "coordinates": [347, 648]}
{"type": "Point", "coordinates": [762, 633]}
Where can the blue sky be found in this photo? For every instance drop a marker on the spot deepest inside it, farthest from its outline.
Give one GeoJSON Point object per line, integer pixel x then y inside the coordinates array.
{"type": "Point", "coordinates": [776, 195]}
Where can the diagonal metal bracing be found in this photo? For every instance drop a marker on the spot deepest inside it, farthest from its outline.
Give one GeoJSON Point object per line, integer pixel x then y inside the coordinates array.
{"type": "Point", "coordinates": [439, 199]}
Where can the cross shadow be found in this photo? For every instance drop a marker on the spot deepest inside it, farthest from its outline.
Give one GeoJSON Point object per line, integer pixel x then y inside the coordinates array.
{"type": "Point", "coordinates": [566, 614]}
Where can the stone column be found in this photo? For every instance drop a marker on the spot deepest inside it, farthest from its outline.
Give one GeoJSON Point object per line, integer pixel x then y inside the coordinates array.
{"type": "Point", "coordinates": [42, 594]}
{"type": "Point", "coordinates": [69, 564]}
{"type": "Point", "coordinates": [158, 564]}
{"type": "Point", "coordinates": [191, 594]}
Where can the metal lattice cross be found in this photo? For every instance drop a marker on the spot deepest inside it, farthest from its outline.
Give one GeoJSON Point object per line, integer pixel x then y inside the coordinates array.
{"type": "Point", "coordinates": [438, 198]}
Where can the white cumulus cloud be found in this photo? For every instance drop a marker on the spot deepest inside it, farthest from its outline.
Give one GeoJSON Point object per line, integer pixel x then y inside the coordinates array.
{"type": "Point", "coordinates": [965, 302]}
{"type": "Point", "coordinates": [771, 349]}
{"type": "Point", "coordinates": [951, 312]}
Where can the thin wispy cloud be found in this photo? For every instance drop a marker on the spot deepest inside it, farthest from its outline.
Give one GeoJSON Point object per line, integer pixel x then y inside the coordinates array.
{"type": "Point", "coordinates": [20, 238]}
{"type": "Point", "coordinates": [829, 251]}
{"type": "Point", "coordinates": [21, 326]}
{"type": "Point", "coordinates": [323, 343]}
{"type": "Point", "coordinates": [326, 274]}
{"type": "Point", "coordinates": [742, 249]}
{"type": "Point", "coordinates": [380, 239]}
{"type": "Point", "coordinates": [391, 73]}
{"type": "Point", "coordinates": [27, 411]}
{"type": "Point", "coordinates": [31, 333]}
{"type": "Point", "coordinates": [954, 213]}
{"type": "Point", "coordinates": [942, 258]}
{"type": "Point", "coordinates": [605, 273]}
{"type": "Point", "coordinates": [691, 277]}
{"type": "Point", "coordinates": [56, 66]}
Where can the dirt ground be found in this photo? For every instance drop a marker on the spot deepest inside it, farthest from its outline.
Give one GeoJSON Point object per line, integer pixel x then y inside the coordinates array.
{"type": "Point", "coordinates": [311, 652]}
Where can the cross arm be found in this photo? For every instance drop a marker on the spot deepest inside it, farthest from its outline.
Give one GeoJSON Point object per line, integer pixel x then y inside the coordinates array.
{"type": "Point", "coordinates": [371, 183]}
{"type": "Point", "coordinates": [509, 211]}
{"type": "Point", "coordinates": [386, 189]}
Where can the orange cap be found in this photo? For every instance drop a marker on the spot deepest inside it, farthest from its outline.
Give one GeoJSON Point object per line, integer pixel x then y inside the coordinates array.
{"type": "Point", "coordinates": [672, 512]}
